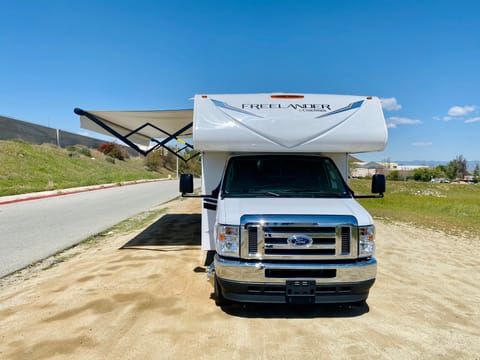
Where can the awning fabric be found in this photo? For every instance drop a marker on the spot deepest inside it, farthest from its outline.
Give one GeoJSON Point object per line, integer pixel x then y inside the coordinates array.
{"type": "Point", "coordinates": [159, 124]}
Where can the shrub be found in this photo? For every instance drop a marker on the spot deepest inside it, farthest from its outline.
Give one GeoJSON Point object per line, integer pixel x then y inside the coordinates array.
{"type": "Point", "coordinates": [113, 150]}
{"type": "Point", "coordinates": [74, 150]}
{"type": "Point", "coordinates": [110, 159]}
{"type": "Point", "coordinates": [85, 151]}
{"type": "Point", "coordinates": [154, 161]}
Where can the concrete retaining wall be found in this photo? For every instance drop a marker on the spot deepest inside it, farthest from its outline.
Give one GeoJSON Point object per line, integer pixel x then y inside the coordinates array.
{"type": "Point", "coordinates": [12, 129]}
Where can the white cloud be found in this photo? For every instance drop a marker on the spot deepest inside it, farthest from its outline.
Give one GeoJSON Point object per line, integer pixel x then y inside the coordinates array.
{"type": "Point", "coordinates": [390, 104]}
{"type": "Point", "coordinates": [461, 110]}
{"type": "Point", "coordinates": [472, 120]}
{"type": "Point", "coordinates": [447, 118]}
{"type": "Point", "coordinates": [422, 144]}
{"type": "Point", "coordinates": [393, 121]}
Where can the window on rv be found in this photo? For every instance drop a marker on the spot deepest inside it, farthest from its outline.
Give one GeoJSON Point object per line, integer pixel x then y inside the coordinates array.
{"type": "Point", "coordinates": [283, 175]}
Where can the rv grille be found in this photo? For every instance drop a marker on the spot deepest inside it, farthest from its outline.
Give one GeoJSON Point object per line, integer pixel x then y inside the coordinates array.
{"type": "Point", "coordinates": [272, 241]}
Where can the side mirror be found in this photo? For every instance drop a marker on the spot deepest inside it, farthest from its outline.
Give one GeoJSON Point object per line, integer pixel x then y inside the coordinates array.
{"type": "Point", "coordinates": [378, 184]}
{"type": "Point", "coordinates": [186, 183]}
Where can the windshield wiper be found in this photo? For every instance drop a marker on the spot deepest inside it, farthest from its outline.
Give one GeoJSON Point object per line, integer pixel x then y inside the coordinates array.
{"type": "Point", "coordinates": [253, 193]}
{"type": "Point", "coordinates": [263, 193]}
{"type": "Point", "coordinates": [314, 192]}
{"type": "Point", "coordinates": [271, 193]}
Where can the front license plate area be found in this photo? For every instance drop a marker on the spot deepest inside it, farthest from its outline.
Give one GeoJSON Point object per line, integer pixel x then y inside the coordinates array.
{"type": "Point", "coordinates": [300, 291]}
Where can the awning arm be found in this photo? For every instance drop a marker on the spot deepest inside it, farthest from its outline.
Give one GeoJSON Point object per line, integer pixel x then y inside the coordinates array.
{"type": "Point", "coordinates": [108, 129]}
{"type": "Point", "coordinates": [127, 141]}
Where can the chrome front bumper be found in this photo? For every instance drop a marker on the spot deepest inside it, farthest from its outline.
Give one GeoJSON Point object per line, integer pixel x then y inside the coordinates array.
{"type": "Point", "coordinates": [255, 271]}
{"type": "Point", "coordinates": [250, 281]}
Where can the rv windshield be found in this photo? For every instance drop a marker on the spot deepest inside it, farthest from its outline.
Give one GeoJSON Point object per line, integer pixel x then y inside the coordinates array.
{"type": "Point", "coordinates": [283, 176]}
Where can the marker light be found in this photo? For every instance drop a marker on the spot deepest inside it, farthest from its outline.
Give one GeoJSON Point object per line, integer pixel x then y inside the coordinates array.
{"type": "Point", "coordinates": [287, 96]}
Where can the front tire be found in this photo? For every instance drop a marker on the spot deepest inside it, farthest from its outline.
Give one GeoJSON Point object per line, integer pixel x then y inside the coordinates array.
{"type": "Point", "coordinates": [217, 293]}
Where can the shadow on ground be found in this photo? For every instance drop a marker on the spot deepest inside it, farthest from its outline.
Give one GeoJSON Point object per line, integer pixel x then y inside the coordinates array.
{"type": "Point", "coordinates": [169, 230]}
{"type": "Point", "coordinates": [283, 311]}
{"type": "Point", "coordinates": [185, 230]}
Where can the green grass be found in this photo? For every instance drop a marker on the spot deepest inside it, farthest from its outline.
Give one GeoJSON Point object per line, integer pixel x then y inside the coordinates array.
{"type": "Point", "coordinates": [28, 168]}
{"type": "Point", "coordinates": [452, 208]}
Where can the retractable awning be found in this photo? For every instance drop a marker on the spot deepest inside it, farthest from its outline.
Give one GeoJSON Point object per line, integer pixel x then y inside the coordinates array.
{"type": "Point", "coordinates": [144, 131]}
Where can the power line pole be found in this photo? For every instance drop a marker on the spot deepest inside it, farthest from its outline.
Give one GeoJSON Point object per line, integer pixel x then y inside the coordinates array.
{"type": "Point", "coordinates": [176, 150]}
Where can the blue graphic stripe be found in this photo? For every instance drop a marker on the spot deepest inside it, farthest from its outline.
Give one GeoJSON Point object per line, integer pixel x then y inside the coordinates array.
{"type": "Point", "coordinates": [224, 105]}
{"type": "Point", "coordinates": [350, 106]}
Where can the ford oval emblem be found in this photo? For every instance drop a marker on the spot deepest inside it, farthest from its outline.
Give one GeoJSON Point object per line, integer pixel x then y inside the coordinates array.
{"type": "Point", "coordinates": [300, 240]}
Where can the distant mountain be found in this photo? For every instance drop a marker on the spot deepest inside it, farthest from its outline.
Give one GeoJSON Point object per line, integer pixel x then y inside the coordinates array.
{"type": "Point", "coordinates": [433, 163]}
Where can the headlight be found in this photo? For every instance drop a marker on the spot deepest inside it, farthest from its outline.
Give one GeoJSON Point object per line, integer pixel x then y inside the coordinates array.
{"type": "Point", "coordinates": [366, 241]}
{"type": "Point", "coordinates": [228, 240]}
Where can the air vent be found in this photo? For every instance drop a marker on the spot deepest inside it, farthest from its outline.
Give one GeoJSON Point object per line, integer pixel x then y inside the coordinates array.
{"type": "Point", "coordinates": [252, 240]}
{"type": "Point", "coordinates": [345, 240]}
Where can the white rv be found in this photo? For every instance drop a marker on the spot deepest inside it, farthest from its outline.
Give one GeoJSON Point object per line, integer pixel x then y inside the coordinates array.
{"type": "Point", "coordinates": [277, 209]}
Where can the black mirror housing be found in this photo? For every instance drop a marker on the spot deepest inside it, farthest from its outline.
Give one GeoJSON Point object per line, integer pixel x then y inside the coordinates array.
{"type": "Point", "coordinates": [378, 184]}
{"type": "Point", "coordinates": [186, 183]}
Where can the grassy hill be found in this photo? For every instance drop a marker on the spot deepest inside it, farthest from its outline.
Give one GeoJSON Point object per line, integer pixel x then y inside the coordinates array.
{"type": "Point", "coordinates": [28, 168]}
{"type": "Point", "coordinates": [452, 208]}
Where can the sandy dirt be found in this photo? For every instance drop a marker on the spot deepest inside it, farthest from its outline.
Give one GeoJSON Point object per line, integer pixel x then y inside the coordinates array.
{"type": "Point", "coordinates": [137, 296]}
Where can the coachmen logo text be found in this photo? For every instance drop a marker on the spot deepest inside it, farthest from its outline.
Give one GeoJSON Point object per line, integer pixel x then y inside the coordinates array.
{"type": "Point", "coordinates": [299, 107]}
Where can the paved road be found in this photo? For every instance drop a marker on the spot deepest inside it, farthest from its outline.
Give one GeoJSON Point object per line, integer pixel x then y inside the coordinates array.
{"type": "Point", "coordinates": [33, 230]}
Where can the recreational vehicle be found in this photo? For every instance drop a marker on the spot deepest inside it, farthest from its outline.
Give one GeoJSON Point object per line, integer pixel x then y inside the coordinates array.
{"type": "Point", "coordinates": [277, 210]}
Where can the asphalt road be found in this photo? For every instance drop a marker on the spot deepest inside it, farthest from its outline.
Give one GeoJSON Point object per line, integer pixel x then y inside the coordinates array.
{"type": "Point", "coordinates": [33, 230]}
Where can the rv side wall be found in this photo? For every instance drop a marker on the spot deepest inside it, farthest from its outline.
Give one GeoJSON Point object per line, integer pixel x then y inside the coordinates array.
{"type": "Point", "coordinates": [213, 164]}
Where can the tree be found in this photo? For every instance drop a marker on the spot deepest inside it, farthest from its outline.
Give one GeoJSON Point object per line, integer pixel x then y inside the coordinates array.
{"type": "Point", "coordinates": [457, 168]}
{"type": "Point", "coordinates": [154, 161]}
{"type": "Point", "coordinates": [193, 166]}
{"type": "Point", "coordinates": [423, 174]}
{"type": "Point", "coordinates": [170, 161]}
{"type": "Point", "coordinates": [439, 172]}
{"type": "Point", "coordinates": [476, 174]}
{"type": "Point", "coordinates": [394, 175]}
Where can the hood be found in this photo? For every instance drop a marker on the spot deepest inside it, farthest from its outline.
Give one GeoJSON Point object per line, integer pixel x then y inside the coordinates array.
{"type": "Point", "coordinates": [231, 209]}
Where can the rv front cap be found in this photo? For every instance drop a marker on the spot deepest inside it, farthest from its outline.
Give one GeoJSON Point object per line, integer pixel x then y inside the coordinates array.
{"type": "Point", "coordinates": [314, 107]}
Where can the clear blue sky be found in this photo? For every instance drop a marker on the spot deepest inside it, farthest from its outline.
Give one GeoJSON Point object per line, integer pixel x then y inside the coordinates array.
{"type": "Point", "coordinates": [422, 56]}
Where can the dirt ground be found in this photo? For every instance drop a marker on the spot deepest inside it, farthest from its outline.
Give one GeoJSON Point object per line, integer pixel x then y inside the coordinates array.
{"type": "Point", "coordinates": [136, 296]}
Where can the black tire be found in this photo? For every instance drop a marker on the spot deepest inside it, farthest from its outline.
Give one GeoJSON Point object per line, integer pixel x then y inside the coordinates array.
{"type": "Point", "coordinates": [217, 292]}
